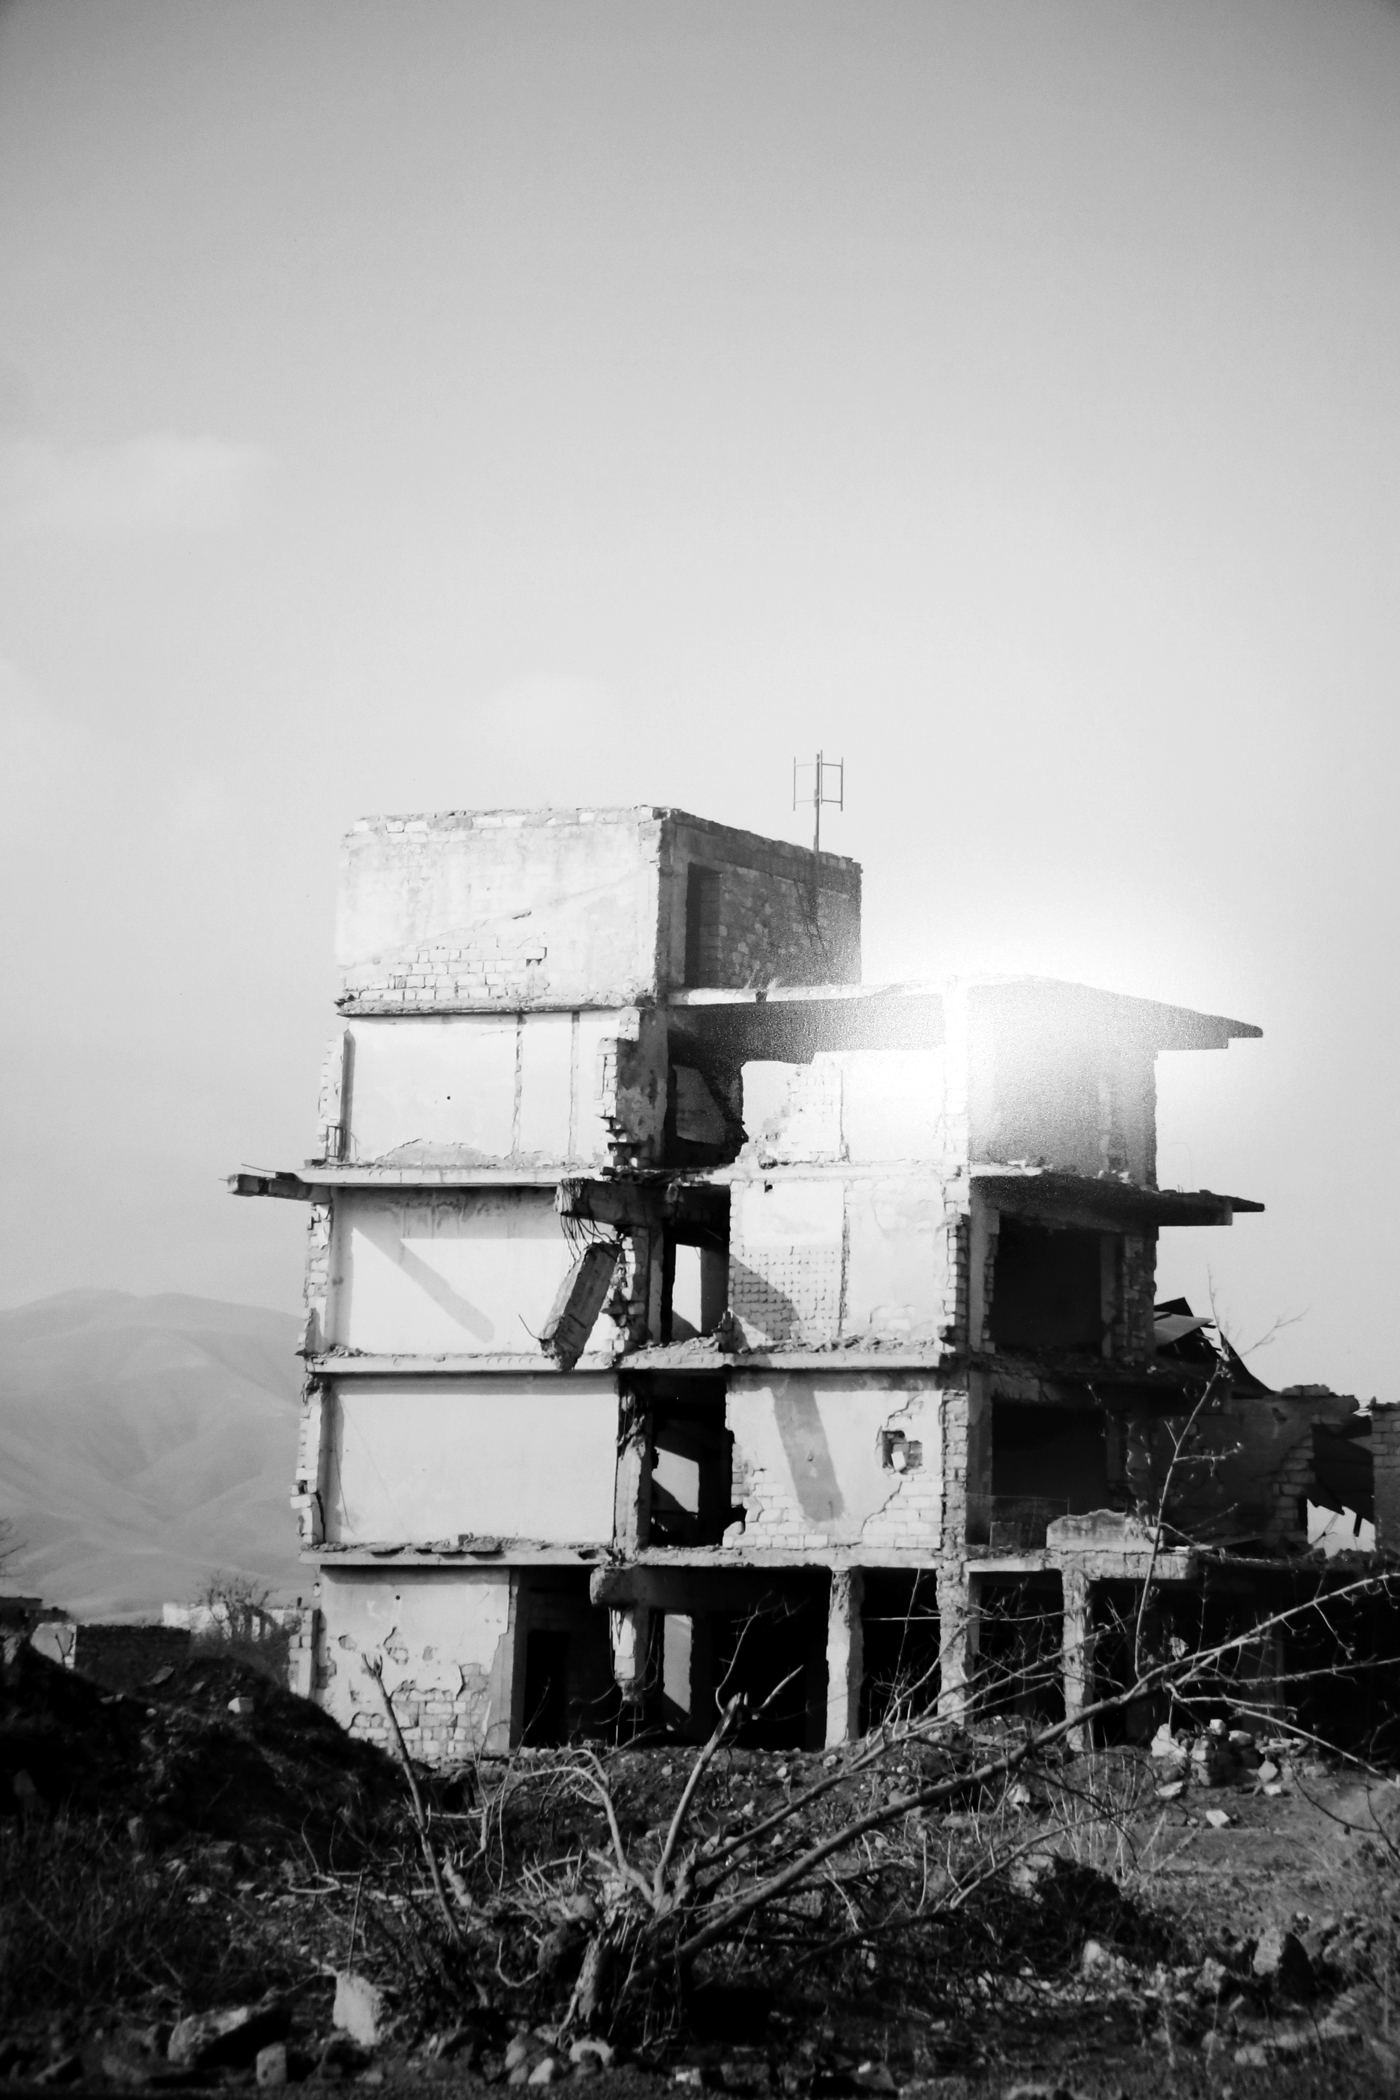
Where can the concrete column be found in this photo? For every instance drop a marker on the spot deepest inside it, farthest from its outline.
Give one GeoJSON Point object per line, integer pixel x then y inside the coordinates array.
{"type": "Point", "coordinates": [957, 1643]}
{"type": "Point", "coordinates": [1077, 1648]}
{"type": "Point", "coordinates": [630, 1633]}
{"type": "Point", "coordinates": [632, 1481]}
{"type": "Point", "coordinates": [505, 1713]}
{"type": "Point", "coordinates": [845, 1657]}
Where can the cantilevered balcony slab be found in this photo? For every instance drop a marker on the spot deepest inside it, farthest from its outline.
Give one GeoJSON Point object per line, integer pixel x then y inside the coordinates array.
{"type": "Point", "coordinates": [1103, 1203]}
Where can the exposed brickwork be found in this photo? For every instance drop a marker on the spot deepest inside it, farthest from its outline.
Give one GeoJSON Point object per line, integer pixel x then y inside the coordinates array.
{"type": "Point", "coordinates": [758, 928]}
{"type": "Point", "coordinates": [317, 1283]}
{"type": "Point", "coordinates": [786, 1294]}
{"type": "Point", "coordinates": [499, 968]}
{"type": "Point", "coordinates": [1385, 1456]}
{"type": "Point", "coordinates": [1132, 1332]}
{"type": "Point", "coordinates": [912, 1517]}
{"type": "Point", "coordinates": [437, 1728]}
{"type": "Point", "coordinates": [631, 1080]}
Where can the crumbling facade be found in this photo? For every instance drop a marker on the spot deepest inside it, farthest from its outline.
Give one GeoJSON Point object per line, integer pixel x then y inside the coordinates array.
{"type": "Point", "coordinates": [685, 1316]}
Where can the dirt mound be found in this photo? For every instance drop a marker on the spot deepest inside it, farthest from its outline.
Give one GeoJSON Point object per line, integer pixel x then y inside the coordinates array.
{"type": "Point", "coordinates": [179, 1754]}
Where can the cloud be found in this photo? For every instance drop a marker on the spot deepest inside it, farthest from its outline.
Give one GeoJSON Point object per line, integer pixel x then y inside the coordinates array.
{"type": "Point", "coordinates": [152, 484]}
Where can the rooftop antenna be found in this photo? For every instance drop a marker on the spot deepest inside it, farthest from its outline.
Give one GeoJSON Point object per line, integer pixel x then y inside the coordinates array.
{"type": "Point", "coordinates": [821, 769]}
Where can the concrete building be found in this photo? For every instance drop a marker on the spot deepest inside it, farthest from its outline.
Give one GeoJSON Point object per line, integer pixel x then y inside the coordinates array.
{"type": "Point", "coordinates": [684, 1315]}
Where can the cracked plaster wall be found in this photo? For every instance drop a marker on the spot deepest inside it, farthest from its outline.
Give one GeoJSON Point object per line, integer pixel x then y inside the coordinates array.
{"type": "Point", "coordinates": [501, 907]}
{"type": "Point", "coordinates": [820, 1259]}
{"type": "Point", "coordinates": [808, 1461]}
{"type": "Point", "coordinates": [447, 1643]}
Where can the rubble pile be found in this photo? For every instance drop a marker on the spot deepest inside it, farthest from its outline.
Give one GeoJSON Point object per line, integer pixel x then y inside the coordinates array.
{"type": "Point", "coordinates": [212, 1746]}
{"type": "Point", "coordinates": [209, 1884]}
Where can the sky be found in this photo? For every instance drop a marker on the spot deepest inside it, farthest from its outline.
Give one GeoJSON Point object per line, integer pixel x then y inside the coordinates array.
{"type": "Point", "coordinates": [411, 406]}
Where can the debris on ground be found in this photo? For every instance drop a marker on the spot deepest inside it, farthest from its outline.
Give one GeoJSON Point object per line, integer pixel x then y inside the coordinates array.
{"type": "Point", "coordinates": [190, 1893]}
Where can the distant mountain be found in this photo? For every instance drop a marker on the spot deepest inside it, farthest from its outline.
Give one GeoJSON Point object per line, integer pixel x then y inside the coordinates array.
{"type": "Point", "coordinates": [145, 1442]}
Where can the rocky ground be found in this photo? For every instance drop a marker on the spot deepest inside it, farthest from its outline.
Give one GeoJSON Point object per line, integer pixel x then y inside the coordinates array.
{"type": "Point", "coordinates": [209, 1885]}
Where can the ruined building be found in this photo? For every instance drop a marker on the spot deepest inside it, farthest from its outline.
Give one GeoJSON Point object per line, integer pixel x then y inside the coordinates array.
{"type": "Point", "coordinates": [684, 1315]}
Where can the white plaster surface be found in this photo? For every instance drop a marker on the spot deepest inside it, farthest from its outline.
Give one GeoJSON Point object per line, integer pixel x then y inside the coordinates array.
{"type": "Point", "coordinates": [790, 1213]}
{"type": "Point", "coordinates": [898, 1280]}
{"type": "Point", "coordinates": [476, 1089]}
{"type": "Point", "coordinates": [445, 1083]}
{"type": "Point", "coordinates": [563, 906]}
{"type": "Point", "coordinates": [892, 1103]}
{"type": "Point", "coordinates": [418, 1460]}
{"type": "Point", "coordinates": [470, 1272]}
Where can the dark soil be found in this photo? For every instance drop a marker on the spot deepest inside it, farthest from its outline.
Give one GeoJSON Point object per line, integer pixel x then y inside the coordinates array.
{"type": "Point", "coordinates": [164, 1855]}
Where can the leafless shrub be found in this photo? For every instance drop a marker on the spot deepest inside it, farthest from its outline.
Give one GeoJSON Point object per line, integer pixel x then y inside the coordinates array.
{"type": "Point", "coordinates": [235, 1619]}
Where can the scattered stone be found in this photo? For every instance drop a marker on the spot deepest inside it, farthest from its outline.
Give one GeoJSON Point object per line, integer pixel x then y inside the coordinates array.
{"type": "Point", "coordinates": [581, 1908]}
{"type": "Point", "coordinates": [359, 2008]}
{"type": "Point", "coordinates": [587, 2050]}
{"type": "Point", "coordinates": [518, 2051]}
{"type": "Point", "coordinates": [1218, 1818]}
{"type": "Point", "coordinates": [242, 1705]}
{"type": "Point", "coordinates": [234, 2036]}
{"type": "Point", "coordinates": [1170, 1791]}
{"type": "Point", "coordinates": [545, 2071]}
{"type": "Point", "coordinates": [270, 2065]}
{"type": "Point", "coordinates": [1210, 1979]}
{"type": "Point", "coordinates": [875, 2078]}
{"type": "Point", "coordinates": [125, 2062]}
{"type": "Point", "coordinates": [1094, 1959]}
{"type": "Point", "coordinates": [1282, 1960]}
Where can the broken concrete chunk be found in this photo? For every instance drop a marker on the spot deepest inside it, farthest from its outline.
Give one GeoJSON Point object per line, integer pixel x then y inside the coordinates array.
{"type": "Point", "coordinates": [1282, 1960]}
{"type": "Point", "coordinates": [359, 2008]}
{"type": "Point", "coordinates": [588, 2050]}
{"type": "Point", "coordinates": [1217, 1818]}
{"type": "Point", "coordinates": [234, 2036]}
{"type": "Point", "coordinates": [270, 2066]}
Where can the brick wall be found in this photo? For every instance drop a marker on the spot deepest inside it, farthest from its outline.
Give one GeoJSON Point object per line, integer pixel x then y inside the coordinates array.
{"type": "Point", "coordinates": [909, 1515]}
{"type": "Point", "coordinates": [760, 928]}
{"type": "Point", "coordinates": [1385, 1454]}
{"type": "Point", "coordinates": [786, 1294]}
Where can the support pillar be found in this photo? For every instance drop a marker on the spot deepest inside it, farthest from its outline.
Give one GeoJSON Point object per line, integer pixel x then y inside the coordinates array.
{"type": "Point", "coordinates": [1077, 1649]}
{"type": "Point", "coordinates": [845, 1657]}
{"type": "Point", "coordinates": [957, 1644]}
{"type": "Point", "coordinates": [629, 1631]}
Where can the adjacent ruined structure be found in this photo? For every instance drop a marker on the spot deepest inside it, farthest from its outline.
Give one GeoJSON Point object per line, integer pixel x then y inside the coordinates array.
{"type": "Point", "coordinates": [684, 1315]}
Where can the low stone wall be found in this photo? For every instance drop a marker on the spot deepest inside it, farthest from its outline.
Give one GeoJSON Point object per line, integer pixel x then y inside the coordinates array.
{"type": "Point", "coordinates": [125, 1657]}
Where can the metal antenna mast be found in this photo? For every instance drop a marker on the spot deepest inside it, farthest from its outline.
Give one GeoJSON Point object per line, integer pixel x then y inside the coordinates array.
{"type": "Point", "coordinates": [819, 768]}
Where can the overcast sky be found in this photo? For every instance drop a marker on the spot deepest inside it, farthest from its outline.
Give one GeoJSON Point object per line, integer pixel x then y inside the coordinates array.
{"type": "Point", "coordinates": [410, 406]}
